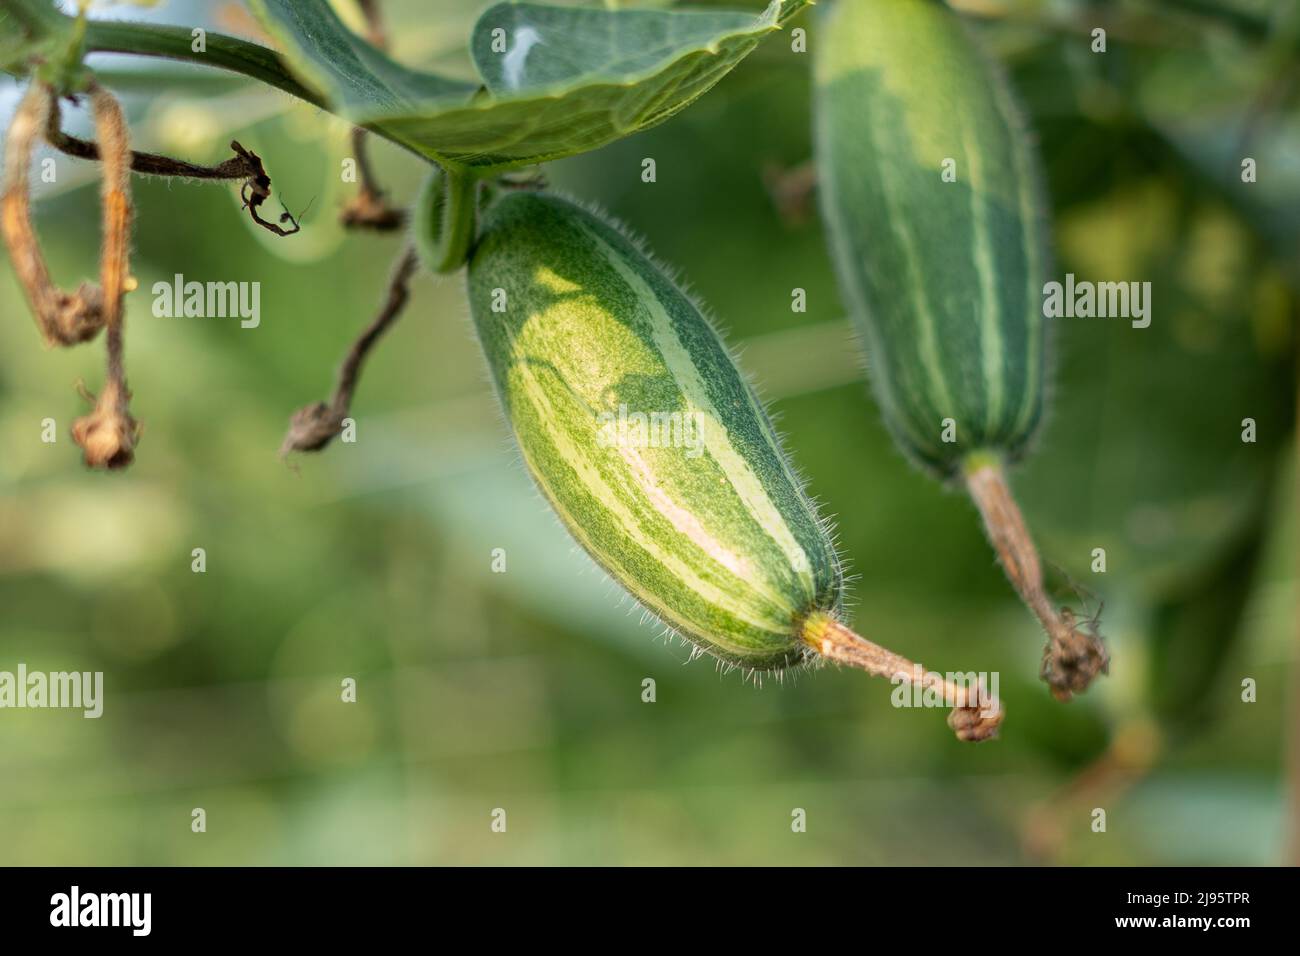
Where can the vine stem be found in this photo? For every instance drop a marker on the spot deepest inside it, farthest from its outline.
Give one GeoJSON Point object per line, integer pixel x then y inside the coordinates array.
{"type": "Point", "coordinates": [176, 43]}
{"type": "Point", "coordinates": [976, 719]}
{"type": "Point", "coordinates": [1074, 655]}
{"type": "Point", "coordinates": [222, 52]}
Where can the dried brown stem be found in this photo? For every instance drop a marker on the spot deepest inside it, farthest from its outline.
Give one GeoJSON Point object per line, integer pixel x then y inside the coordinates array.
{"type": "Point", "coordinates": [369, 209]}
{"type": "Point", "coordinates": [108, 435]}
{"type": "Point", "coordinates": [245, 165]}
{"type": "Point", "coordinates": [971, 719]}
{"type": "Point", "coordinates": [1074, 654]}
{"type": "Point", "coordinates": [313, 426]}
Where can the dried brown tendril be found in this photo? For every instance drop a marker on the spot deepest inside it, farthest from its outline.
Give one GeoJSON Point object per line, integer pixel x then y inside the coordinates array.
{"type": "Point", "coordinates": [63, 317]}
{"type": "Point", "coordinates": [107, 435]}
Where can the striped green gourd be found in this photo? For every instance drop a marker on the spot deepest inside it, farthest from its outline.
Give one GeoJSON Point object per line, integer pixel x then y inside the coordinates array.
{"type": "Point", "coordinates": [943, 279]}
{"type": "Point", "coordinates": [702, 518]}
{"type": "Point", "coordinates": [930, 194]}
{"type": "Point", "coordinates": [705, 524]}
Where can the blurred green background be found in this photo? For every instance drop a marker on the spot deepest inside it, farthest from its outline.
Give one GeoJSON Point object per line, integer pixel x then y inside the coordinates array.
{"type": "Point", "coordinates": [522, 690]}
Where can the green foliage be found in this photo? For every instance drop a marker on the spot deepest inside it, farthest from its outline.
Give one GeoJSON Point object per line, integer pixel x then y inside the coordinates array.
{"type": "Point", "coordinates": [34, 35]}
{"type": "Point", "coordinates": [1169, 484]}
{"type": "Point", "coordinates": [558, 80]}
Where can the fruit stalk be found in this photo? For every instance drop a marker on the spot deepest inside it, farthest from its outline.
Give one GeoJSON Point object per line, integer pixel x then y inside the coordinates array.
{"type": "Point", "coordinates": [108, 435]}
{"type": "Point", "coordinates": [973, 720]}
{"type": "Point", "coordinates": [1072, 656]}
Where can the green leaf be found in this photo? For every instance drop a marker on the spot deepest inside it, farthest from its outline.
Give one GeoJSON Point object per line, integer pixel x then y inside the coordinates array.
{"type": "Point", "coordinates": [556, 81]}
{"type": "Point", "coordinates": [355, 79]}
{"type": "Point", "coordinates": [558, 47]}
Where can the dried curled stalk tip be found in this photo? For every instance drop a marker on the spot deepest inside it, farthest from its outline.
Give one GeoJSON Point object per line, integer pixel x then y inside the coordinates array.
{"type": "Point", "coordinates": [971, 720]}
{"type": "Point", "coordinates": [314, 426]}
{"type": "Point", "coordinates": [109, 434]}
{"type": "Point", "coordinates": [1075, 654]}
{"type": "Point", "coordinates": [369, 209]}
